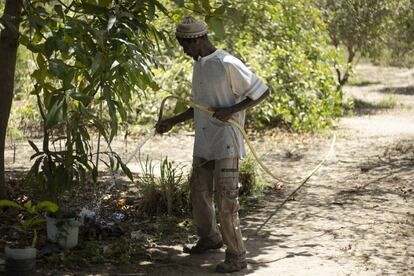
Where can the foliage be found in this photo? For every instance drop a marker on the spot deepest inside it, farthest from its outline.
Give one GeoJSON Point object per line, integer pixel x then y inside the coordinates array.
{"type": "Point", "coordinates": [72, 80]}
{"type": "Point", "coordinates": [358, 25]}
{"type": "Point", "coordinates": [291, 55]}
{"type": "Point", "coordinates": [167, 193]}
{"type": "Point", "coordinates": [251, 180]}
{"type": "Point", "coordinates": [294, 58]}
{"type": "Point", "coordinates": [400, 40]}
{"type": "Point", "coordinates": [91, 56]}
{"type": "Point", "coordinates": [25, 66]}
{"type": "Point", "coordinates": [25, 118]}
{"type": "Point", "coordinates": [31, 218]}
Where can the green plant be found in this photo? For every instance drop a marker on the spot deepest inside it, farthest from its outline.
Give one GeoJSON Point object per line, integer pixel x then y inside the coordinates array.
{"type": "Point", "coordinates": [167, 193]}
{"type": "Point", "coordinates": [90, 58]}
{"type": "Point", "coordinates": [359, 26]}
{"type": "Point", "coordinates": [30, 218]}
{"type": "Point", "coordinates": [290, 52]}
{"type": "Point", "coordinates": [250, 178]}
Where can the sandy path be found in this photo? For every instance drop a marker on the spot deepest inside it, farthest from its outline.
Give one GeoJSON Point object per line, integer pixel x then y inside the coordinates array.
{"type": "Point", "coordinates": [354, 217]}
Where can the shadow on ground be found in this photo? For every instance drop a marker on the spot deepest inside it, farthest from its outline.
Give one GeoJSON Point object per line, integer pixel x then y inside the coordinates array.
{"type": "Point", "coordinates": [405, 90]}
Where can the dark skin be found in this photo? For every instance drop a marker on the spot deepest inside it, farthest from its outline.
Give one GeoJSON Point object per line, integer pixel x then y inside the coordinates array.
{"type": "Point", "coordinates": [201, 47]}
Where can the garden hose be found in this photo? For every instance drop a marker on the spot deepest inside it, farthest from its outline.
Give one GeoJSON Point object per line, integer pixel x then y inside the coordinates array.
{"type": "Point", "coordinates": [252, 150]}
{"type": "Point", "coordinates": [246, 138]}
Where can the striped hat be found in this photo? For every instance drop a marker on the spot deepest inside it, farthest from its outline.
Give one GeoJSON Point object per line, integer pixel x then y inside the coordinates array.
{"type": "Point", "coordinates": [190, 28]}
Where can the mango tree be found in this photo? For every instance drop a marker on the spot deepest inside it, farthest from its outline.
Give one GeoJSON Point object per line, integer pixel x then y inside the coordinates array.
{"type": "Point", "coordinates": [92, 56]}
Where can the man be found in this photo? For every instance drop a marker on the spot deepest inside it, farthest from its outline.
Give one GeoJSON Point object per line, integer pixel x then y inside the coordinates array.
{"type": "Point", "coordinates": [224, 83]}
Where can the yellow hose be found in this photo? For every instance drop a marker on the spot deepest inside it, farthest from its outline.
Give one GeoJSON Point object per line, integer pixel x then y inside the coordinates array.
{"type": "Point", "coordinates": [246, 138]}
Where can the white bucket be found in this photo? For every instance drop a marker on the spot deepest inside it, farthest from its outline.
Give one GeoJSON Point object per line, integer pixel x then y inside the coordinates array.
{"type": "Point", "coordinates": [65, 231]}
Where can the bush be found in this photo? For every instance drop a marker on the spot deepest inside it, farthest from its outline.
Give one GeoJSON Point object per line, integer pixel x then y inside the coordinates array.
{"type": "Point", "coordinates": [166, 194]}
{"type": "Point", "coordinates": [293, 57]}
{"type": "Point", "coordinates": [289, 51]}
{"type": "Point", "coordinates": [251, 180]}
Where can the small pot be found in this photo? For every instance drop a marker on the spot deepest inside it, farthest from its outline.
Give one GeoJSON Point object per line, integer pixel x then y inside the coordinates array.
{"type": "Point", "coordinates": [20, 261]}
{"type": "Point", "coordinates": [63, 231]}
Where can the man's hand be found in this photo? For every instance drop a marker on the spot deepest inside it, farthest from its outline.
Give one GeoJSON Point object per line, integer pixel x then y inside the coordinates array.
{"type": "Point", "coordinates": [163, 126]}
{"type": "Point", "coordinates": [223, 113]}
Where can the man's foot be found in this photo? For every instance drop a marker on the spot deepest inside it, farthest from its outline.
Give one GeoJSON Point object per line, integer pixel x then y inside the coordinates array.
{"type": "Point", "coordinates": [232, 263]}
{"type": "Point", "coordinates": [202, 246]}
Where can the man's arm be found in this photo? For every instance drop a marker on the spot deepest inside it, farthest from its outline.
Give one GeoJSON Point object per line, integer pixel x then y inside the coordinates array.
{"type": "Point", "coordinates": [225, 113]}
{"type": "Point", "coordinates": [167, 124]}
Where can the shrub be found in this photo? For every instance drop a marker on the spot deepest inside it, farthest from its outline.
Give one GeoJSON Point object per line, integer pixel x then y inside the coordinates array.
{"type": "Point", "coordinates": [250, 178]}
{"type": "Point", "coordinates": [164, 194]}
{"type": "Point", "coordinates": [290, 51]}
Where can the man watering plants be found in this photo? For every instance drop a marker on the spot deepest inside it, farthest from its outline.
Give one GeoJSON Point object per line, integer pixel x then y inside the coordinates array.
{"type": "Point", "coordinates": [222, 82]}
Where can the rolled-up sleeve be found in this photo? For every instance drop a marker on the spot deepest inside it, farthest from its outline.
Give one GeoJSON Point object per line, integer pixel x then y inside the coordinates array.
{"type": "Point", "coordinates": [243, 82]}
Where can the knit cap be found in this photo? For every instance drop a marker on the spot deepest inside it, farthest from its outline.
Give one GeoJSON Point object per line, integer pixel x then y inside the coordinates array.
{"type": "Point", "coordinates": [190, 28]}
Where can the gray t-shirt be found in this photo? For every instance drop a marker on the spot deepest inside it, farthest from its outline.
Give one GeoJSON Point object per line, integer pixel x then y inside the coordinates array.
{"type": "Point", "coordinates": [221, 80]}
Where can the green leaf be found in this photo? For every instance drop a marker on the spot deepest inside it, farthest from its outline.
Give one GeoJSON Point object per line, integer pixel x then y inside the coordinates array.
{"type": "Point", "coordinates": [85, 99]}
{"type": "Point", "coordinates": [179, 3]}
{"type": "Point", "coordinates": [47, 206]}
{"type": "Point", "coordinates": [220, 10]}
{"type": "Point", "coordinates": [32, 222]}
{"type": "Point", "coordinates": [9, 203]}
{"type": "Point", "coordinates": [28, 206]}
{"type": "Point", "coordinates": [59, 10]}
{"type": "Point", "coordinates": [94, 9]}
{"type": "Point", "coordinates": [58, 68]}
{"type": "Point", "coordinates": [126, 170]}
{"type": "Point", "coordinates": [55, 114]}
{"type": "Point", "coordinates": [41, 62]}
{"type": "Point", "coordinates": [234, 14]}
{"type": "Point", "coordinates": [39, 76]}
{"type": "Point", "coordinates": [67, 81]}
{"type": "Point", "coordinates": [96, 62]}
{"type": "Point", "coordinates": [180, 107]}
{"type": "Point", "coordinates": [50, 46]}
{"type": "Point", "coordinates": [34, 146]}
{"type": "Point", "coordinates": [206, 5]}
{"type": "Point", "coordinates": [100, 127]}
{"type": "Point", "coordinates": [217, 26]}
{"type": "Point", "coordinates": [105, 3]}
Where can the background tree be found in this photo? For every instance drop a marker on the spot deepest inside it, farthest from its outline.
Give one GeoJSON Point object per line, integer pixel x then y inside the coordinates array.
{"type": "Point", "coordinates": [400, 40]}
{"type": "Point", "coordinates": [360, 26]}
{"type": "Point", "coordinates": [284, 42]}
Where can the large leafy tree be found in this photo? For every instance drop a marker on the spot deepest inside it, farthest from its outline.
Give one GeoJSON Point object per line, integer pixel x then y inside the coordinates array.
{"type": "Point", "coordinates": [400, 41]}
{"type": "Point", "coordinates": [91, 57]}
{"type": "Point", "coordinates": [285, 43]}
{"type": "Point", "coordinates": [360, 26]}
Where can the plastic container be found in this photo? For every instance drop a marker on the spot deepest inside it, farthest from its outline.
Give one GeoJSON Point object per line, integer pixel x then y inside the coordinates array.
{"type": "Point", "coordinates": [20, 261]}
{"type": "Point", "coordinates": [63, 231]}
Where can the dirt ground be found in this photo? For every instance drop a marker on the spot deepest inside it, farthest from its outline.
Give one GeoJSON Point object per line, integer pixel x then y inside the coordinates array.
{"type": "Point", "coordinates": [355, 216]}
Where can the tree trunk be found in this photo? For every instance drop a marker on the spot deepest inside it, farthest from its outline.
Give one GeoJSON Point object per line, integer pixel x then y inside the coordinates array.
{"type": "Point", "coordinates": [342, 80]}
{"type": "Point", "coordinates": [9, 42]}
